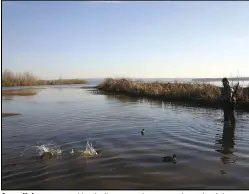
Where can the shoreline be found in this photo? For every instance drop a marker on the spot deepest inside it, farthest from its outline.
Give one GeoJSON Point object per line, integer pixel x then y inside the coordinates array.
{"type": "Point", "coordinates": [193, 102]}
{"type": "Point", "coordinates": [89, 87]}
{"type": "Point", "coordinates": [10, 114]}
{"type": "Point", "coordinates": [11, 79]}
{"type": "Point", "coordinates": [21, 92]}
{"type": "Point", "coordinates": [48, 83]}
{"type": "Point", "coordinates": [200, 95]}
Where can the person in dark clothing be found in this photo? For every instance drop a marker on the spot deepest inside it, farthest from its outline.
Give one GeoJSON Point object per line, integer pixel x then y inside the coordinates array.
{"type": "Point", "coordinates": [228, 101]}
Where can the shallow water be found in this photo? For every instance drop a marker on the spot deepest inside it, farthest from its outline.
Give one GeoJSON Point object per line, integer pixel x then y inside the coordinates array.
{"type": "Point", "coordinates": [209, 156]}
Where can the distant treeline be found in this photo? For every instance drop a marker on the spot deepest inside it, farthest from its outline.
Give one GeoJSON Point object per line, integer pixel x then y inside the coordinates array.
{"type": "Point", "coordinates": [10, 78]}
{"type": "Point", "coordinates": [219, 79]}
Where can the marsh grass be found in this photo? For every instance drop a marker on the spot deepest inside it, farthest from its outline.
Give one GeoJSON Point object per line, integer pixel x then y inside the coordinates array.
{"type": "Point", "coordinates": [21, 92]}
{"type": "Point", "coordinates": [9, 114]}
{"type": "Point", "coordinates": [204, 94]}
{"type": "Point", "coordinates": [10, 78]}
{"type": "Point", "coordinates": [62, 82]}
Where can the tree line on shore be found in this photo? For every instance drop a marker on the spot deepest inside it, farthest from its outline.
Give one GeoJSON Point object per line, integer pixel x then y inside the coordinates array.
{"type": "Point", "coordinates": [10, 78]}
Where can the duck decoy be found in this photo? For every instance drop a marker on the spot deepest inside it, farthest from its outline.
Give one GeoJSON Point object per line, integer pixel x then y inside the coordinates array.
{"type": "Point", "coordinates": [142, 132]}
{"type": "Point", "coordinates": [170, 158]}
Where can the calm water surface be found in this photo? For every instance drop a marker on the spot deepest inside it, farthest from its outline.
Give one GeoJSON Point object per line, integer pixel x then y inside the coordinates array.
{"type": "Point", "coordinates": [209, 155]}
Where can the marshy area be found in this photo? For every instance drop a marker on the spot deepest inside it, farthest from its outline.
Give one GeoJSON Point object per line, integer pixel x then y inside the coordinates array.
{"type": "Point", "coordinates": [9, 114]}
{"type": "Point", "coordinates": [11, 94]}
{"type": "Point", "coordinates": [192, 93]}
{"type": "Point", "coordinates": [113, 117]}
{"type": "Point", "coordinates": [20, 92]}
{"type": "Point", "coordinates": [10, 78]}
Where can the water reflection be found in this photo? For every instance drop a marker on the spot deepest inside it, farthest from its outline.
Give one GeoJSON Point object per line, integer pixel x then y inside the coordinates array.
{"type": "Point", "coordinates": [95, 91]}
{"type": "Point", "coordinates": [122, 98]}
{"type": "Point", "coordinates": [227, 143]}
{"type": "Point", "coordinates": [127, 99]}
{"type": "Point", "coordinates": [155, 103]}
{"type": "Point", "coordinates": [128, 160]}
{"type": "Point", "coordinates": [7, 97]}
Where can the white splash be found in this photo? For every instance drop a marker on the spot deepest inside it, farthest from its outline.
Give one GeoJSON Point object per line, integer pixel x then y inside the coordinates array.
{"type": "Point", "coordinates": [89, 151]}
{"type": "Point", "coordinates": [45, 148]}
{"type": "Point", "coordinates": [53, 149]}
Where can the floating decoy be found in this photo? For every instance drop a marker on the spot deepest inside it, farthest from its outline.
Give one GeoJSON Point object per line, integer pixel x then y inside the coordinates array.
{"type": "Point", "coordinates": [170, 158]}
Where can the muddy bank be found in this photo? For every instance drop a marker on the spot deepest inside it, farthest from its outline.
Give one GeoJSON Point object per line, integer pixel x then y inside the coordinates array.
{"type": "Point", "coordinates": [9, 114]}
{"type": "Point", "coordinates": [88, 87]}
{"type": "Point", "coordinates": [21, 92]}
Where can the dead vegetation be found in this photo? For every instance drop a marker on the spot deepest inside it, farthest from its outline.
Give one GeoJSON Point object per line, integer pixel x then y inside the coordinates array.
{"type": "Point", "coordinates": [205, 94]}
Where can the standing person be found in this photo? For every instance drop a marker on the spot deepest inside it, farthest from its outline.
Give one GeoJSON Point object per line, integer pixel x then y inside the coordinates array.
{"type": "Point", "coordinates": [228, 101]}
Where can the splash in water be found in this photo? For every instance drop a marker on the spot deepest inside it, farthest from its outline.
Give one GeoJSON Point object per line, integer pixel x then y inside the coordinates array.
{"type": "Point", "coordinates": [45, 148]}
{"type": "Point", "coordinates": [49, 148]}
{"type": "Point", "coordinates": [89, 151]}
{"type": "Point", "coordinates": [55, 150]}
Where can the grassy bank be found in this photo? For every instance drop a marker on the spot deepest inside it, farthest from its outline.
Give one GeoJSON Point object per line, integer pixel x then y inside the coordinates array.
{"type": "Point", "coordinates": [27, 79]}
{"type": "Point", "coordinates": [198, 94]}
{"type": "Point", "coordinates": [21, 92]}
{"type": "Point", "coordinates": [9, 114]}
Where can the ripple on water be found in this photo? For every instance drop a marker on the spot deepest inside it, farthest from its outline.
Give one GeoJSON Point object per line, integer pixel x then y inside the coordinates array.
{"type": "Point", "coordinates": [215, 158]}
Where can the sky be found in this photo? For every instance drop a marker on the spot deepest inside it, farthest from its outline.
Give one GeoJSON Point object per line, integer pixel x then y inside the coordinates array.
{"type": "Point", "coordinates": [126, 39]}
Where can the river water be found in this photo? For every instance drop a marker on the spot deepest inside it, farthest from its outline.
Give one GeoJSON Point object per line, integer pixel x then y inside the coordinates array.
{"type": "Point", "coordinates": [209, 154]}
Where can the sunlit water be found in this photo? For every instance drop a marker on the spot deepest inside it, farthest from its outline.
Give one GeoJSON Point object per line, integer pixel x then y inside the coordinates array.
{"type": "Point", "coordinates": [209, 156]}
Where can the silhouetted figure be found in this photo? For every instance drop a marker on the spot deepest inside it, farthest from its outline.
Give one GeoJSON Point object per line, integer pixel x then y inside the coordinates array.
{"type": "Point", "coordinates": [228, 101]}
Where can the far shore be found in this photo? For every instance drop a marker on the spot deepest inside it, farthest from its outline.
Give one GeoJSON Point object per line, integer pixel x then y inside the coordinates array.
{"type": "Point", "coordinates": [203, 95]}
{"type": "Point", "coordinates": [10, 79]}
{"type": "Point", "coordinates": [46, 82]}
{"type": "Point", "coordinates": [236, 79]}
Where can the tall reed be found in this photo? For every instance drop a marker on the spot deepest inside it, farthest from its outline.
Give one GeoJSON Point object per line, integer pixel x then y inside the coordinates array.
{"type": "Point", "coordinates": [10, 78]}
{"type": "Point", "coordinates": [174, 91]}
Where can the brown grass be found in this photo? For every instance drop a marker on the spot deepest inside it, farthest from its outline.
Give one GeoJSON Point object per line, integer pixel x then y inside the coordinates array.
{"type": "Point", "coordinates": [27, 79]}
{"type": "Point", "coordinates": [20, 92]}
{"type": "Point", "coordinates": [205, 94]}
{"type": "Point", "coordinates": [9, 114]}
{"type": "Point", "coordinates": [62, 82]}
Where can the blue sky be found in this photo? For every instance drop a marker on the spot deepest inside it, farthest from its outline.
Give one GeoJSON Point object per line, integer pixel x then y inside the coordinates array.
{"type": "Point", "coordinates": [127, 39]}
